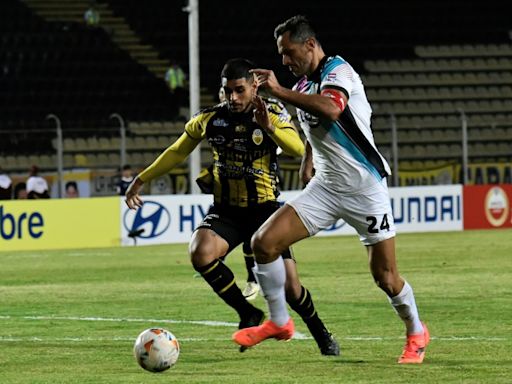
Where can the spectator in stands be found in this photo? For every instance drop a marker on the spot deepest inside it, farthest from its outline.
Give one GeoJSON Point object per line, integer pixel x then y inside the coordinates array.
{"type": "Point", "coordinates": [5, 186]}
{"type": "Point", "coordinates": [20, 191]}
{"type": "Point", "coordinates": [176, 80]}
{"type": "Point", "coordinates": [71, 190]}
{"type": "Point", "coordinates": [126, 179]}
{"type": "Point", "coordinates": [37, 186]}
{"type": "Point", "coordinates": [92, 15]}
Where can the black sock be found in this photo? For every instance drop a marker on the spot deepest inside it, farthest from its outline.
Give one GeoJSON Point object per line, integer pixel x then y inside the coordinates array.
{"type": "Point", "coordinates": [249, 265]}
{"type": "Point", "coordinates": [306, 309]}
{"type": "Point", "coordinates": [222, 280]}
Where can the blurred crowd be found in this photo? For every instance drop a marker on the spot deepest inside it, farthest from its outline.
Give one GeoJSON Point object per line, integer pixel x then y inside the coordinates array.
{"type": "Point", "coordinates": [36, 186]}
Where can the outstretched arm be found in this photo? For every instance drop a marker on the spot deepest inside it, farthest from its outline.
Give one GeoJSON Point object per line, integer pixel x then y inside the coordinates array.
{"type": "Point", "coordinates": [171, 157]}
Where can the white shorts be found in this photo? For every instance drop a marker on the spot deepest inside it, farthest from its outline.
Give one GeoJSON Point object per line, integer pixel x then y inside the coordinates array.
{"type": "Point", "coordinates": [369, 212]}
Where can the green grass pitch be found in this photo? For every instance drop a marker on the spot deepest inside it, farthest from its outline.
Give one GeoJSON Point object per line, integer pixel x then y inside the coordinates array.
{"type": "Point", "coordinates": [72, 316]}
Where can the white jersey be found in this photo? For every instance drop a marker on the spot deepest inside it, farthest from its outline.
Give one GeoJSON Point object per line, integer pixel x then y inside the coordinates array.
{"type": "Point", "coordinates": [344, 153]}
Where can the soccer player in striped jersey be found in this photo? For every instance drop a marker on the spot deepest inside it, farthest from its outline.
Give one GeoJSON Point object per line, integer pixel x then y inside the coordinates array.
{"type": "Point", "coordinates": [346, 178]}
{"type": "Point", "coordinates": [244, 133]}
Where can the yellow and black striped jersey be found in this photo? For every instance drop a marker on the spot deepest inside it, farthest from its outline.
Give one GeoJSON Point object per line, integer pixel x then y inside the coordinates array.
{"type": "Point", "coordinates": [245, 167]}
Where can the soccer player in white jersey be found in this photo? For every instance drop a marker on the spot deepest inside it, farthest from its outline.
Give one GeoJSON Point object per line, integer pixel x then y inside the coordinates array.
{"type": "Point", "coordinates": [346, 179]}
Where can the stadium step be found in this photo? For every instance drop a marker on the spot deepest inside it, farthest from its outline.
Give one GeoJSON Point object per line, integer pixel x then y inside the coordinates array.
{"type": "Point", "coordinates": [120, 31]}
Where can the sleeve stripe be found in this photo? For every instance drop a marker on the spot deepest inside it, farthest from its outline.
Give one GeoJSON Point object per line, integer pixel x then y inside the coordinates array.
{"type": "Point", "coordinates": [341, 89]}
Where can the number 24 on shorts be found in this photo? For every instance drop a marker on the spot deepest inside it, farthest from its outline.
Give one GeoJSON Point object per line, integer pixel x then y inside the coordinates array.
{"type": "Point", "coordinates": [384, 225]}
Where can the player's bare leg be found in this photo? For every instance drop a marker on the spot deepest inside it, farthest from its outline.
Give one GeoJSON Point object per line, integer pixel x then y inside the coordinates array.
{"type": "Point", "coordinates": [206, 249]}
{"type": "Point", "coordinates": [275, 236]}
{"type": "Point", "coordinates": [385, 273]}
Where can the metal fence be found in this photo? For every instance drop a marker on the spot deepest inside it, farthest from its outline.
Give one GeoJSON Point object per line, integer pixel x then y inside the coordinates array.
{"type": "Point", "coordinates": [64, 148]}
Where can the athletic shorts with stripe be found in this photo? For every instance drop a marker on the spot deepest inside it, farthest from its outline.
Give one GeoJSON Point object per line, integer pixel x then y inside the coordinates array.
{"type": "Point", "coordinates": [369, 211]}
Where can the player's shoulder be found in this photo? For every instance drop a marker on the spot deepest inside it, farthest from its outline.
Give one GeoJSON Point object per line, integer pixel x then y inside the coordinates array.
{"type": "Point", "coordinates": [218, 108]}
{"type": "Point", "coordinates": [274, 105]}
{"type": "Point", "coordinates": [278, 109]}
{"type": "Point", "coordinates": [332, 62]}
{"type": "Point", "coordinates": [208, 112]}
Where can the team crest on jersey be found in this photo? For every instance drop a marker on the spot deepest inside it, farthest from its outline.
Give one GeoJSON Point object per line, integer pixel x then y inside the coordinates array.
{"type": "Point", "coordinates": [220, 123]}
{"type": "Point", "coordinates": [257, 136]}
{"type": "Point", "coordinates": [240, 128]}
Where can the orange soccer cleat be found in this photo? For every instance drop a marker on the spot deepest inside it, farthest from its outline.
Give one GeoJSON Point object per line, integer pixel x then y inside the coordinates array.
{"type": "Point", "coordinates": [249, 337]}
{"type": "Point", "coordinates": [414, 350]}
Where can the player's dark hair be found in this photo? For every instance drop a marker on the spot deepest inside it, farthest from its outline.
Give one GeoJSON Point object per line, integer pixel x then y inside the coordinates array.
{"type": "Point", "coordinates": [300, 29]}
{"type": "Point", "coordinates": [71, 184]}
{"type": "Point", "coordinates": [238, 68]}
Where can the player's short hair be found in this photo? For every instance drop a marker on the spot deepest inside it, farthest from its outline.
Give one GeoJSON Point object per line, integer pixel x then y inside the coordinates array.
{"type": "Point", "coordinates": [300, 29]}
{"type": "Point", "coordinates": [71, 184]}
{"type": "Point", "coordinates": [238, 68]}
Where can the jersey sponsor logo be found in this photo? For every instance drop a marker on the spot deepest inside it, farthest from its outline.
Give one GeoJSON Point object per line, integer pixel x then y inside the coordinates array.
{"type": "Point", "coordinates": [153, 218]}
{"type": "Point", "coordinates": [257, 136]}
{"type": "Point", "coordinates": [240, 145]}
{"type": "Point", "coordinates": [233, 171]}
{"type": "Point", "coordinates": [496, 206]}
{"type": "Point", "coordinates": [219, 139]}
{"type": "Point", "coordinates": [220, 123]}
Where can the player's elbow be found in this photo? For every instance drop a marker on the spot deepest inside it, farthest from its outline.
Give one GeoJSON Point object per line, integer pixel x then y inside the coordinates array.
{"type": "Point", "coordinates": [333, 104]}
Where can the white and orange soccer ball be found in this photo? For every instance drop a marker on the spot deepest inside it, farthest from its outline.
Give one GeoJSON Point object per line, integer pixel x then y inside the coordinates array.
{"type": "Point", "coordinates": [156, 349]}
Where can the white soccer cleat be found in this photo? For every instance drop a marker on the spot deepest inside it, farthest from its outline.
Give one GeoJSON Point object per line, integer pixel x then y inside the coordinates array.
{"type": "Point", "coordinates": [251, 290]}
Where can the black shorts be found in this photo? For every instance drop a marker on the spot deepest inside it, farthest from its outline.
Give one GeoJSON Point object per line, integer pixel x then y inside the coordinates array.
{"type": "Point", "coordinates": [237, 225]}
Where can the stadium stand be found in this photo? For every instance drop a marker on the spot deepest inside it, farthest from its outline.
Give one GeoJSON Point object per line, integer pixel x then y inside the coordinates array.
{"type": "Point", "coordinates": [74, 72]}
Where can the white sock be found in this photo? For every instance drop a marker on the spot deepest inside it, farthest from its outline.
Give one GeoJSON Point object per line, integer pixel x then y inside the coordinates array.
{"type": "Point", "coordinates": [405, 306]}
{"type": "Point", "coordinates": [271, 277]}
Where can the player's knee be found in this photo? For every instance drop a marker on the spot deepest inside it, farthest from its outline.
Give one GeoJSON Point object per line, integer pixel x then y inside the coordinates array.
{"type": "Point", "coordinates": [263, 247]}
{"type": "Point", "coordinates": [201, 255]}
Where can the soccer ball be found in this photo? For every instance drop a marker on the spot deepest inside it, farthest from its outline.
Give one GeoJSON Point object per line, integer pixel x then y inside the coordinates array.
{"type": "Point", "coordinates": [156, 349]}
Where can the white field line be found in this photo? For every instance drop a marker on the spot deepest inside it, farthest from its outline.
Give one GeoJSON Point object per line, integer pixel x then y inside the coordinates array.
{"type": "Point", "coordinates": [297, 335]}
{"type": "Point", "coordinates": [208, 323]}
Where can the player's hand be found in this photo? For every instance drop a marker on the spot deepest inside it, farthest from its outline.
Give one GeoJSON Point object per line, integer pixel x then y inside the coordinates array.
{"type": "Point", "coordinates": [266, 79]}
{"type": "Point", "coordinates": [307, 171]}
{"type": "Point", "coordinates": [306, 175]}
{"type": "Point", "coordinates": [261, 114]}
{"type": "Point", "coordinates": [132, 197]}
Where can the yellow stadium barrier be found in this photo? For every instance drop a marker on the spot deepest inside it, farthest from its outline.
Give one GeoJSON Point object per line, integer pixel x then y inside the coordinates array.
{"type": "Point", "coordinates": [59, 224]}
